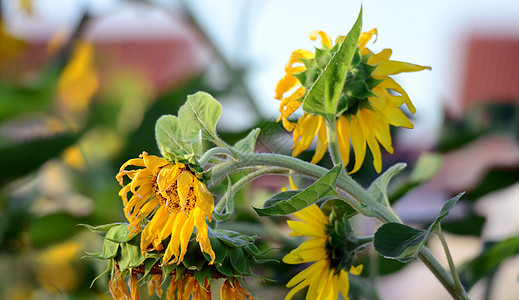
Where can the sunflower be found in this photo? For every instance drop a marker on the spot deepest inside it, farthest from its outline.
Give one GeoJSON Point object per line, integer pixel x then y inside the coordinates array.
{"type": "Point", "coordinates": [234, 291]}
{"type": "Point", "coordinates": [179, 200]}
{"type": "Point", "coordinates": [368, 103]}
{"type": "Point", "coordinates": [326, 277]}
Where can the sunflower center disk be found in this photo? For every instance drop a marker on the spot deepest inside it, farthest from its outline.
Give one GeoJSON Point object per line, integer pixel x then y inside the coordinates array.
{"type": "Point", "coordinates": [171, 198]}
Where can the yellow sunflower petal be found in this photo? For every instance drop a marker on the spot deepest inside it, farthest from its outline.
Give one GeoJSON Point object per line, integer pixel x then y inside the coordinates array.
{"type": "Point", "coordinates": [376, 58]}
{"type": "Point", "coordinates": [322, 143]}
{"type": "Point", "coordinates": [344, 284]}
{"type": "Point", "coordinates": [309, 273]}
{"type": "Point", "coordinates": [313, 215]}
{"type": "Point", "coordinates": [309, 130]}
{"type": "Point", "coordinates": [365, 37]}
{"type": "Point", "coordinates": [319, 281]}
{"type": "Point", "coordinates": [303, 229]}
{"type": "Point", "coordinates": [185, 235]}
{"type": "Point", "coordinates": [311, 250]}
{"type": "Point", "coordinates": [392, 67]}
{"type": "Point", "coordinates": [358, 142]}
{"type": "Point", "coordinates": [325, 39]}
{"type": "Point", "coordinates": [201, 233]}
{"type": "Point", "coordinates": [343, 139]}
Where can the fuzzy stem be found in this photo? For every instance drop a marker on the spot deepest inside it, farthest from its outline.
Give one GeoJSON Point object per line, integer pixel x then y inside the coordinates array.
{"type": "Point", "coordinates": [333, 146]}
{"type": "Point", "coordinates": [350, 187]}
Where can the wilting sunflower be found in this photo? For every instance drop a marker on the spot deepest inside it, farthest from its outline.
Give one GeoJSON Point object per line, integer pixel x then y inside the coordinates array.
{"type": "Point", "coordinates": [176, 200]}
{"type": "Point", "coordinates": [369, 102]}
{"type": "Point", "coordinates": [234, 291]}
{"type": "Point", "coordinates": [327, 276]}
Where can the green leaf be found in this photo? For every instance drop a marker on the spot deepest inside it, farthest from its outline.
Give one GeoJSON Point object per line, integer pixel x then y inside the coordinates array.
{"type": "Point", "coordinates": [246, 145]}
{"type": "Point", "coordinates": [487, 263]}
{"type": "Point", "coordinates": [301, 199]}
{"type": "Point", "coordinates": [170, 137]}
{"type": "Point", "coordinates": [130, 255]}
{"type": "Point", "coordinates": [403, 243]}
{"type": "Point", "coordinates": [426, 167]}
{"type": "Point", "coordinates": [378, 188]}
{"type": "Point", "coordinates": [229, 204]}
{"type": "Point", "coordinates": [238, 260]}
{"type": "Point", "coordinates": [323, 96]}
{"type": "Point", "coordinates": [200, 113]}
{"type": "Point", "coordinates": [100, 228]}
{"type": "Point", "coordinates": [231, 238]}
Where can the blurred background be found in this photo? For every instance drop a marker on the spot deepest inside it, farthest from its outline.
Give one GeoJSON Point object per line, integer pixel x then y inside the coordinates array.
{"type": "Point", "coordinates": [82, 83]}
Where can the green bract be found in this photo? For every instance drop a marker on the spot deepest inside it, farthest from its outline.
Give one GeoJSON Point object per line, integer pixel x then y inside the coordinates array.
{"type": "Point", "coordinates": [235, 253]}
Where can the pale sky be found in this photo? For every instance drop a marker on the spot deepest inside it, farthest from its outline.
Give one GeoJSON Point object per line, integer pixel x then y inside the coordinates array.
{"type": "Point", "coordinates": [264, 33]}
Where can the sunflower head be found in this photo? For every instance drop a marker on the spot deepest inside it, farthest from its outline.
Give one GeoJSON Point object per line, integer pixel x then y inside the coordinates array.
{"type": "Point", "coordinates": [331, 248]}
{"type": "Point", "coordinates": [175, 200]}
{"type": "Point", "coordinates": [368, 103]}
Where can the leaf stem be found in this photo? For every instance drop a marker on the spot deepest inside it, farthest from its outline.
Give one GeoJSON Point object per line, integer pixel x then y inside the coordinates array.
{"type": "Point", "coordinates": [263, 171]}
{"type": "Point", "coordinates": [457, 283]}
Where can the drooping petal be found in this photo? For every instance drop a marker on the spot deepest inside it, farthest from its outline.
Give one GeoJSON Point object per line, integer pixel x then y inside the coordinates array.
{"type": "Point", "coordinates": [392, 67]}
{"type": "Point", "coordinates": [343, 139]}
{"type": "Point", "coordinates": [325, 39]}
{"type": "Point", "coordinates": [358, 142]}
{"type": "Point", "coordinates": [322, 143]}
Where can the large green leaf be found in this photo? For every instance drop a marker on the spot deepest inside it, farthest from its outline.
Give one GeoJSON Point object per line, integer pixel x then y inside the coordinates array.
{"type": "Point", "coordinates": [291, 201]}
{"type": "Point", "coordinates": [323, 96]}
{"type": "Point", "coordinates": [403, 243]}
{"type": "Point", "coordinates": [200, 114]}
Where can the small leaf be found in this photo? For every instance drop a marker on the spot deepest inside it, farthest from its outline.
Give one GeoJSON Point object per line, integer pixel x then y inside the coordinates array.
{"type": "Point", "coordinates": [338, 208]}
{"type": "Point", "coordinates": [323, 96]}
{"type": "Point", "coordinates": [238, 260]}
{"type": "Point", "coordinates": [297, 201]}
{"type": "Point", "coordinates": [246, 145]}
{"type": "Point", "coordinates": [200, 113]}
{"type": "Point", "coordinates": [231, 238]}
{"type": "Point", "coordinates": [403, 243]}
{"type": "Point", "coordinates": [426, 167]}
{"type": "Point", "coordinates": [131, 255]}
{"type": "Point", "coordinates": [101, 228]}
{"type": "Point", "coordinates": [378, 188]}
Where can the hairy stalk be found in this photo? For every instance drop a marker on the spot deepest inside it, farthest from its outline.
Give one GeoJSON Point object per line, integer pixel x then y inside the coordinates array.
{"type": "Point", "coordinates": [333, 148]}
{"type": "Point", "coordinates": [263, 171]}
{"type": "Point", "coordinates": [214, 151]}
{"type": "Point", "coordinates": [353, 191]}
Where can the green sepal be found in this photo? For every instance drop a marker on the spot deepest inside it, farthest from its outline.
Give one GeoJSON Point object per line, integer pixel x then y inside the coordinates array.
{"type": "Point", "coordinates": [403, 243]}
{"type": "Point", "coordinates": [148, 264]}
{"type": "Point", "coordinates": [167, 269]}
{"type": "Point", "coordinates": [100, 228]}
{"type": "Point", "coordinates": [110, 265]}
{"type": "Point", "coordinates": [322, 57]}
{"type": "Point", "coordinates": [207, 272]}
{"type": "Point", "coordinates": [130, 255]}
{"type": "Point", "coordinates": [337, 209]}
{"type": "Point", "coordinates": [282, 205]}
{"type": "Point", "coordinates": [323, 96]}
{"type": "Point", "coordinates": [193, 259]}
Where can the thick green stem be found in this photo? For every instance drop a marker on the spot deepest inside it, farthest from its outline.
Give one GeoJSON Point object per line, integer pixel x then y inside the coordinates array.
{"type": "Point", "coordinates": [214, 151]}
{"type": "Point", "coordinates": [333, 146]}
{"type": "Point", "coordinates": [350, 187]}
{"type": "Point", "coordinates": [264, 171]}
